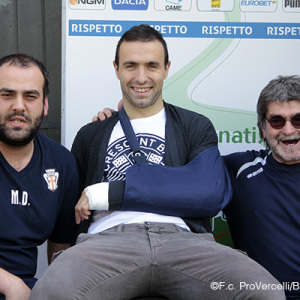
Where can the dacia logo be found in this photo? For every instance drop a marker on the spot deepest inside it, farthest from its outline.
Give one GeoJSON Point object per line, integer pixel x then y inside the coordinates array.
{"type": "Point", "coordinates": [130, 4]}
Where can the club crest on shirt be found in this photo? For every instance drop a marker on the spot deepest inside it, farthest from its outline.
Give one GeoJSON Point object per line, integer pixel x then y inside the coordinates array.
{"type": "Point", "coordinates": [51, 178]}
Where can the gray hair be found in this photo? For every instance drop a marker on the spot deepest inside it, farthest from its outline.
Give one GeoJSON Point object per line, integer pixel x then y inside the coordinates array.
{"type": "Point", "coordinates": [281, 89]}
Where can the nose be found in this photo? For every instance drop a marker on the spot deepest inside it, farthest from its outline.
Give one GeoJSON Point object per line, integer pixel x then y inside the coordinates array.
{"type": "Point", "coordinates": [141, 75]}
{"type": "Point", "coordinates": [18, 104]}
{"type": "Point", "coordinates": [288, 128]}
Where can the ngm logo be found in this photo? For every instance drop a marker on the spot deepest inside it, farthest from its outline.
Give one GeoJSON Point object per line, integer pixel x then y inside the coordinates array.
{"type": "Point", "coordinates": [130, 4]}
{"type": "Point", "coordinates": [87, 4]}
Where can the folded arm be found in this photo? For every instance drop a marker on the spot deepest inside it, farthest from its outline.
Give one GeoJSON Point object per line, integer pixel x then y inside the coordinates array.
{"type": "Point", "coordinates": [199, 189]}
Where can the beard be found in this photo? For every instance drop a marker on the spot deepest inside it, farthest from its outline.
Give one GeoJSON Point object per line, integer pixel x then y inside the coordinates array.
{"type": "Point", "coordinates": [289, 155]}
{"type": "Point", "coordinates": [17, 136]}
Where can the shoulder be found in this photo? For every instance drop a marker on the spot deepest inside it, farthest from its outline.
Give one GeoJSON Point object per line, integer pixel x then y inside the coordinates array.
{"type": "Point", "coordinates": [53, 151]}
{"type": "Point", "coordinates": [185, 115]}
{"type": "Point", "coordinates": [246, 156]}
{"type": "Point", "coordinates": [237, 160]}
{"type": "Point", "coordinates": [95, 129]}
{"type": "Point", "coordinates": [49, 145]}
{"type": "Point", "coordinates": [93, 137]}
{"type": "Point", "coordinates": [191, 122]}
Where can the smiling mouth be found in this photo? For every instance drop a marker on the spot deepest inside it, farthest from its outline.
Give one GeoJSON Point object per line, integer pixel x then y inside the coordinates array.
{"type": "Point", "coordinates": [141, 90]}
{"type": "Point", "coordinates": [290, 142]}
{"type": "Point", "coordinates": [17, 121]}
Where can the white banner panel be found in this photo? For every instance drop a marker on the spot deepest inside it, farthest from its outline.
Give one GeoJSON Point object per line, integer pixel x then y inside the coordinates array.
{"type": "Point", "coordinates": [223, 52]}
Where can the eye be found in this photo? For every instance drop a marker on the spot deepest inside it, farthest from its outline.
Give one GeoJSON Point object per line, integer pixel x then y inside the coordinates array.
{"type": "Point", "coordinates": [152, 66]}
{"type": "Point", "coordinates": [31, 97]}
{"type": "Point", "coordinates": [129, 66]}
{"type": "Point", "coordinates": [6, 95]}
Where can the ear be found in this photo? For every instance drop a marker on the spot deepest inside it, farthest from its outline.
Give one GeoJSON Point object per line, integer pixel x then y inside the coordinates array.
{"type": "Point", "coordinates": [116, 70]}
{"type": "Point", "coordinates": [46, 106]}
{"type": "Point", "coordinates": [167, 69]}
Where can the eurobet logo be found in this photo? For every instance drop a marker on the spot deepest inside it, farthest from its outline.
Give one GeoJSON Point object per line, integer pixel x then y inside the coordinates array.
{"type": "Point", "coordinates": [258, 5]}
{"type": "Point", "coordinates": [86, 4]}
{"type": "Point", "coordinates": [130, 4]}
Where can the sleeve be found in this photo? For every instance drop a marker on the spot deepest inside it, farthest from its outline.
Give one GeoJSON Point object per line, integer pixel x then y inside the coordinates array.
{"type": "Point", "coordinates": [65, 225]}
{"type": "Point", "coordinates": [234, 161]}
{"type": "Point", "coordinates": [78, 151]}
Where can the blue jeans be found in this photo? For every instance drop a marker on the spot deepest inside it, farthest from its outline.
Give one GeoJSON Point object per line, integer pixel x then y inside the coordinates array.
{"type": "Point", "coordinates": [133, 260]}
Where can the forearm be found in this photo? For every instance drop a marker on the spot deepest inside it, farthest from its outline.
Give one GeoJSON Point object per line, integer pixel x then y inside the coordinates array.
{"type": "Point", "coordinates": [6, 281]}
{"type": "Point", "coordinates": [13, 287]}
{"type": "Point", "coordinates": [106, 195]}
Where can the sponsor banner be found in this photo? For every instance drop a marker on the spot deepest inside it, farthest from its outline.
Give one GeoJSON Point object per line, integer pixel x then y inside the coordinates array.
{"type": "Point", "coordinates": [258, 5]}
{"type": "Point", "coordinates": [240, 30]}
{"type": "Point", "coordinates": [215, 5]}
{"type": "Point", "coordinates": [130, 4]}
{"type": "Point", "coordinates": [173, 5]}
{"type": "Point", "coordinates": [292, 6]}
{"type": "Point", "coordinates": [87, 4]}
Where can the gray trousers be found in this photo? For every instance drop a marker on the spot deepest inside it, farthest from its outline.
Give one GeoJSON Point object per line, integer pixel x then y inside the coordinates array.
{"type": "Point", "coordinates": [133, 260]}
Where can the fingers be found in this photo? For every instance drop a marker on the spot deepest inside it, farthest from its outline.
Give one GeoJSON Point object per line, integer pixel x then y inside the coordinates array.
{"type": "Point", "coordinates": [95, 119]}
{"type": "Point", "coordinates": [103, 115]}
{"type": "Point", "coordinates": [106, 113]}
{"type": "Point", "coordinates": [82, 209]}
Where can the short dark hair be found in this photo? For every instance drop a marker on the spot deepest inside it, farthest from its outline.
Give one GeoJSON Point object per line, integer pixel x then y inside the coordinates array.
{"type": "Point", "coordinates": [281, 89]}
{"type": "Point", "coordinates": [25, 61]}
{"type": "Point", "coordinates": [144, 33]}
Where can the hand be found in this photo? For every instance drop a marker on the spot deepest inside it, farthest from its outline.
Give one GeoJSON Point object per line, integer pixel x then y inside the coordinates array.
{"type": "Point", "coordinates": [82, 209]}
{"type": "Point", "coordinates": [18, 290]}
{"type": "Point", "coordinates": [103, 115]}
{"type": "Point", "coordinates": [106, 113]}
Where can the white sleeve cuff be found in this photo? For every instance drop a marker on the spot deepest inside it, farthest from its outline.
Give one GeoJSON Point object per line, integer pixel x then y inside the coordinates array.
{"type": "Point", "coordinates": [98, 196]}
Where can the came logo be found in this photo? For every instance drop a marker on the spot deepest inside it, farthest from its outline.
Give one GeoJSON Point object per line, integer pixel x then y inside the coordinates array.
{"type": "Point", "coordinates": [173, 5]}
{"type": "Point", "coordinates": [130, 4]}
